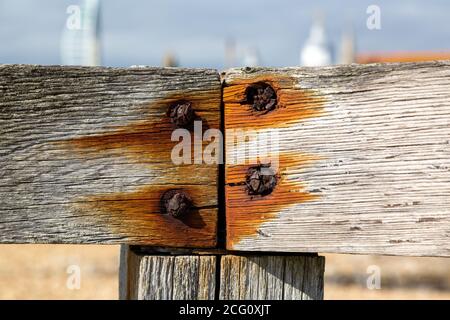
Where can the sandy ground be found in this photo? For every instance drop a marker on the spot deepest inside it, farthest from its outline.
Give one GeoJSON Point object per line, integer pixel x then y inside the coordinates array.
{"type": "Point", "coordinates": [41, 272]}
{"type": "Point", "coordinates": [346, 277]}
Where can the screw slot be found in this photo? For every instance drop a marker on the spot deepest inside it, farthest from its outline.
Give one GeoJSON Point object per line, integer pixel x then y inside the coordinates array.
{"type": "Point", "coordinates": [181, 114]}
{"type": "Point", "coordinates": [260, 180]}
{"type": "Point", "coordinates": [175, 203]}
{"type": "Point", "coordinates": [261, 96]}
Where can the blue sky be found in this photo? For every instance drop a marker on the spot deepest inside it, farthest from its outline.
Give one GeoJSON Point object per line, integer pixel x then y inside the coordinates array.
{"type": "Point", "coordinates": [140, 32]}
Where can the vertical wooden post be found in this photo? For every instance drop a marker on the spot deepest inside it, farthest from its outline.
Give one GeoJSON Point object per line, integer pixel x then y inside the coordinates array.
{"type": "Point", "coordinates": [166, 277]}
{"type": "Point", "coordinates": [267, 277]}
{"type": "Point", "coordinates": [225, 277]}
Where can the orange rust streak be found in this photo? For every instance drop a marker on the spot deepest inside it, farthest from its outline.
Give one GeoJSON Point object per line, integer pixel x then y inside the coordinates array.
{"type": "Point", "coordinates": [138, 213]}
{"type": "Point", "coordinates": [236, 173]}
{"type": "Point", "coordinates": [147, 139]}
{"type": "Point", "coordinates": [246, 213]}
{"type": "Point", "coordinates": [143, 141]}
{"type": "Point", "coordinates": [293, 105]}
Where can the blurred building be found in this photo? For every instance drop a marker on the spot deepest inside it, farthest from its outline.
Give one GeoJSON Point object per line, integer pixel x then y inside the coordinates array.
{"type": "Point", "coordinates": [170, 60]}
{"type": "Point", "coordinates": [347, 53]}
{"type": "Point", "coordinates": [251, 57]}
{"type": "Point", "coordinates": [241, 56]}
{"type": "Point", "coordinates": [407, 56]}
{"type": "Point", "coordinates": [230, 53]}
{"type": "Point", "coordinates": [80, 43]}
{"type": "Point", "coordinates": [317, 50]}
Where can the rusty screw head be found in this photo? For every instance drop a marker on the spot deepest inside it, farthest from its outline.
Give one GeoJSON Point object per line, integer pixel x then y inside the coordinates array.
{"type": "Point", "coordinates": [262, 97]}
{"type": "Point", "coordinates": [181, 114]}
{"type": "Point", "coordinates": [176, 203]}
{"type": "Point", "coordinates": [260, 180]}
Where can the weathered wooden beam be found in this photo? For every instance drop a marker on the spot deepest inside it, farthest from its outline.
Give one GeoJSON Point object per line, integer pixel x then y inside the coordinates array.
{"type": "Point", "coordinates": [85, 155]}
{"type": "Point", "coordinates": [362, 160]}
{"type": "Point", "coordinates": [363, 156]}
{"type": "Point", "coordinates": [153, 276]}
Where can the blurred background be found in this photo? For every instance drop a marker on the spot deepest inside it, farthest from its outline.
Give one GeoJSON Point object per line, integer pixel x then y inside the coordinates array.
{"type": "Point", "coordinates": [232, 33]}
{"type": "Point", "coordinates": [220, 34]}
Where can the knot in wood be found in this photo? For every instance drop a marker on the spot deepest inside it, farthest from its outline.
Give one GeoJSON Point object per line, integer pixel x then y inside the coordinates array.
{"type": "Point", "coordinates": [262, 97]}
{"type": "Point", "coordinates": [260, 180]}
{"type": "Point", "coordinates": [181, 114]}
{"type": "Point", "coordinates": [176, 203]}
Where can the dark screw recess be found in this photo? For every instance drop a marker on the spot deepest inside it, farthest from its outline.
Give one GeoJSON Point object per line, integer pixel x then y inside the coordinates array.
{"type": "Point", "coordinates": [260, 180]}
{"type": "Point", "coordinates": [175, 203]}
{"type": "Point", "coordinates": [262, 97]}
{"type": "Point", "coordinates": [181, 114]}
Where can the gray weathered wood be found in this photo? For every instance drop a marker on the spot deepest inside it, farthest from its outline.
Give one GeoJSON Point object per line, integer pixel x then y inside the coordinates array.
{"type": "Point", "coordinates": [85, 155]}
{"type": "Point", "coordinates": [271, 277]}
{"type": "Point", "coordinates": [166, 277]}
{"type": "Point", "coordinates": [125, 277]}
{"type": "Point", "coordinates": [364, 160]}
{"type": "Point", "coordinates": [146, 276]}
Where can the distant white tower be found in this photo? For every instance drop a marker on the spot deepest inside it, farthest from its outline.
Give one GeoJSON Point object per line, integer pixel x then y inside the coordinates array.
{"type": "Point", "coordinates": [251, 57]}
{"type": "Point", "coordinates": [317, 51]}
{"type": "Point", "coordinates": [80, 43]}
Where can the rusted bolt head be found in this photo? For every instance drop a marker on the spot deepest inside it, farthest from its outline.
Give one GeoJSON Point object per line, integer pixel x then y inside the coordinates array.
{"type": "Point", "coordinates": [181, 114]}
{"type": "Point", "coordinates": [262, 97]}
{"type": "Point", "coordinates": [175, 203]}
{"type": "Point", "coordinates": [260, 180]}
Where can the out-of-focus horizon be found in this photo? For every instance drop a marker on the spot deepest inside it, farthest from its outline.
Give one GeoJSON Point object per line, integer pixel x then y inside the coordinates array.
{"type": "Point", "coordinates": [222, 34]}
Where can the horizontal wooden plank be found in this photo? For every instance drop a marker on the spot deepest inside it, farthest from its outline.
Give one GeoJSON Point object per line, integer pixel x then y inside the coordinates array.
{"type": "Point", "coordinates": [85, 155]}
{"type": "Point", "coordinates": [362, 163]}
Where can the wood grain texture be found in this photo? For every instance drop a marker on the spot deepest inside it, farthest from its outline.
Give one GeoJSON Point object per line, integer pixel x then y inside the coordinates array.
{"type": "Point", "coordinates": [164, 277]}
{"type": "Point", "coordinates": [193, 277]}
{"type": "Point", "coordinates": [125, 276]}
{"type": "Point", "coordinates": [85, 155]}
{"type": "Point", "coordinates": [271, 277]}
{"type": "Point", "coordinates": [363, 154]}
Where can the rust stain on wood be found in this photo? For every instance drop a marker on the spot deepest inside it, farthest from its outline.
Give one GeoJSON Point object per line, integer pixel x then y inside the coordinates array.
{"type": "Point", "coordinates": [139, 213]}
{"type": "Point", "coordinates": [293, 104]}
{"type": "Point", "coordinates": [245, 213]}
{"type": "Point", "coordinates": [148, 139]}
{"type": "Point", "coordinates": [148, 142]}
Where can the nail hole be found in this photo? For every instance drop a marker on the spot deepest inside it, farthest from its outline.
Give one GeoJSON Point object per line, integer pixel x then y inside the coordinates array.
{"type": "Point", "coordinates": [176, 203]}
{"type": "Point", "coordinates": [181, 114]}
{"type": "Point", "coordinates": [260, 180]}
{"type": "Point", "coordinates": [261, 96]}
